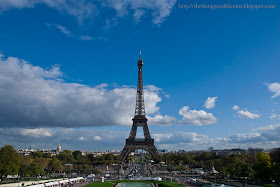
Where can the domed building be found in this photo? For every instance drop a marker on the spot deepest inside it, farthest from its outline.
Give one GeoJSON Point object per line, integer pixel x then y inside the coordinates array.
{"type": "Point", "coordinates": [59, 148]}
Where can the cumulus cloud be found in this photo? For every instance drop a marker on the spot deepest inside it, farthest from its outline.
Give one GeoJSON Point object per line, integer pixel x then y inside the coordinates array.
{"type": "Point", "coordinates": [97, 138]}
{"type": "Point", "coordinates": [235, 107]}
{"type": "Point", "coordinates": [245, 138]}
{"type": "Point", "coordinates": [36, 132]}
{"type": "Point", "coordinates": [180, 137]}
{"type": "Point", "coordinates": [245, 113]}
{"type": "Point", "coordinates": [69, 138]}
{"type": "Point", "coordinates": [268, 128]}
{"type": "Point", "coordinates": [210, 102]}
{"type": "Point", "coordinates": [82, 138]}
{"type": "Point", "coordinates": [190, 117]}
{"type": "Point", "coordinates": [162, 120]}
{"type": "Point", "coordinates": [104, 139]}
{"type": "Point", "coordinates": [196, 117]}
{"type": "Point", "coordinates": [274, 116]}
{"type": "Point", "coordinates": [83, 9]}
{"type": "Point", "coordinates": [274, 88]}
{"type": "Point", "coordinates": [35, 97]}
{"type": "Point", "coordinates": [268, 136]}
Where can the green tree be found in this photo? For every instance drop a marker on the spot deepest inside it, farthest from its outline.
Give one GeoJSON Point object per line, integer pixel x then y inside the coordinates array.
{"type": "Point", "coordinates": [36, 154]}
{"type": "Point", "coordinates": [66, 157]}
{"type": "Point", "coordinates": [9, 161]}
{"type": "Point", "coordinates": [55, 165]}
{"type": "Point", "coordinates": [233, 166]}
{"type": "Point", "coordinates": [275, 165]}
{"type": "Point", "coordinates": [24, 170]}
{"type": "Point", "coordinates": [35, 169]}
{"type": "Point", "coordinates": [77, 155]}
{"type": "Point", "coordinates": [43, 162]}
{"type": "Point", "coordinates": [262, 167]}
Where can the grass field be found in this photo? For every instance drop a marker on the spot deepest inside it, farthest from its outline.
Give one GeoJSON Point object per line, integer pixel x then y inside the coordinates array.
{"type": "Point", "coordinates": [167, 184]}
{"type": "Point", "coordinates": [110, 184]}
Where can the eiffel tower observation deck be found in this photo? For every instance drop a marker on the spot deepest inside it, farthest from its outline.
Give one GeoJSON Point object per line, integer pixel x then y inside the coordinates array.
{"type": "Point", "coordinates": [139, 120]}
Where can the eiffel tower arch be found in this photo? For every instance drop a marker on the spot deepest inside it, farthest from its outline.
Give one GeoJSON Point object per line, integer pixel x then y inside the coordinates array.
{"type": "Point", "coordinates": [139, 120]}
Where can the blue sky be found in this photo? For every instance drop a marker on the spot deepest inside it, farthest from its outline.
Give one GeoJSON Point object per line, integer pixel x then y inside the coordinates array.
{"type": "Point", "coordinates": [69, 71]}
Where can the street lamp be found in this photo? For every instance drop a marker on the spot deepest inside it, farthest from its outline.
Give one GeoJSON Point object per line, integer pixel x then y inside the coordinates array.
{"type": "Point", "coordinates": [273, 181]}
{"type": "Point", "coordinates": [215, 179]}
{"type": "Point", "coordinates": [246, 181]}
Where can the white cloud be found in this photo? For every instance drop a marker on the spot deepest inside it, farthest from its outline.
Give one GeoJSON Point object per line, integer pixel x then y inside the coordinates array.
{"type": "Point", "coordinates": [162, 120]}
{"type": "Point", "coordinates": [69, 138]}
{"type": "Point", "coordinates": [36, 132]}
{"type": "Point", "coordinates": [210, 102]}
{"type": "Point", "coordinates": [265, 137]}
{"type": "Point", "coordinates": [245, 113]}
{"type": "Point", "coordinates": [35, 97]}
{"type": "Point", "coordinates": [83, 9]}
{"type": "Point", "coordinates": [86, 38]}
{"type": "Point", "coordinates": [82, 138]}
{"type": "Point", "coordinates": [235, 107]}
{"type": "Point", "coordinates": [69, 33]}
{"type": "Point", "coordinates": [97, 138]}
{"type": "Point", "coordinates": [158, 9]}
{"type": "Point", "coordinates": [274, 116]}
{"type": "Point", "coordinates": [196, 117]}
{"type": "Point", "coordinates": [64, 30]}
{"type": "Point", "coordinates": [268, 128]}
{"type": "Point", "coordinates": [180, 137]}
{"type": "Point", "coordinates": [275, 88]}
{"type": "Point", "coordinates": [246, 137]}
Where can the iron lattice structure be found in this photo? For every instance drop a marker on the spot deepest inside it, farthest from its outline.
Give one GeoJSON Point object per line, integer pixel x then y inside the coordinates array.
{"type": "Point", "coordinates": [139, 120]}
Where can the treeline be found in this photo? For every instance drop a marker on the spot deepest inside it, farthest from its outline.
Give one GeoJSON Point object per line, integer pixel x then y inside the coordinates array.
{"type": "Point", "coordinates": [263, 166]}
{"type": "Point", "coordinates": [42, 164]}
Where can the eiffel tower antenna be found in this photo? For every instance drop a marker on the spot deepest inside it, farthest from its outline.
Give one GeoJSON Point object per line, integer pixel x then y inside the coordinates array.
{"type": "Point", "coordinates": [139, 120]}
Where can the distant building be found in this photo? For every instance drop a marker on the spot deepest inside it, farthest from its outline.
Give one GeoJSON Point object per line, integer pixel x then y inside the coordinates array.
{"type": "Point", "coordinates": [227, 152]}
{"type": "Point", "coordinates": [162, 150]}
{"type": "Point", "coordinates": [25, 152]}
{"type": "Point", "coordinates": [273, 150]}
{"type": "Point", "coordinates": [254, 151]}
{"type": "Point", "coordinates": [53, 152]}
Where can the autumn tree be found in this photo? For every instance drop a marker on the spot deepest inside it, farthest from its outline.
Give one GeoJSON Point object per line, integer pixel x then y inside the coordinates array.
{"type": "Point", "coordinates": [262, 167]}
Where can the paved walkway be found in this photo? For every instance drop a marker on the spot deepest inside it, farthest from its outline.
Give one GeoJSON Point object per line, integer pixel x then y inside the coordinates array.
{"type": "Point", "coordinates": [80, 185]}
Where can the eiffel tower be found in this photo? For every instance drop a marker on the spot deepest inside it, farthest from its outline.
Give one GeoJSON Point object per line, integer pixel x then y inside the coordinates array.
{"type": "Point", "coordinates": [139, 120]}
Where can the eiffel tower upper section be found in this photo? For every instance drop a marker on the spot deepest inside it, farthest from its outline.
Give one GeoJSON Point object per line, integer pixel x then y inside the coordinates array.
{"type": "Point", "coordinates": [140, 106]}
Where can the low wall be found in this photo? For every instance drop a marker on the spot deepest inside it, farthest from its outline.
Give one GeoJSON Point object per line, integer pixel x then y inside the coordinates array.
{"type": "Point", "coordinates": [28, 183]}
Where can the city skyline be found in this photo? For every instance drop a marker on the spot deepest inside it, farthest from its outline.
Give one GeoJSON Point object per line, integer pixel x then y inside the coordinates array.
{"type": "Point", "coordinates": [68, 74]}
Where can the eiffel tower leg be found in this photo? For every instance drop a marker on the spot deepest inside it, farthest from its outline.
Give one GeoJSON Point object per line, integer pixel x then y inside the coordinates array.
{"type": "Point", "coordinates": [132, 145]}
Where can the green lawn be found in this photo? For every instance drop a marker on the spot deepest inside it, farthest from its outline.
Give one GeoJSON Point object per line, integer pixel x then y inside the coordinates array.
{"type": "Point", "coordinates": [167, 184]}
